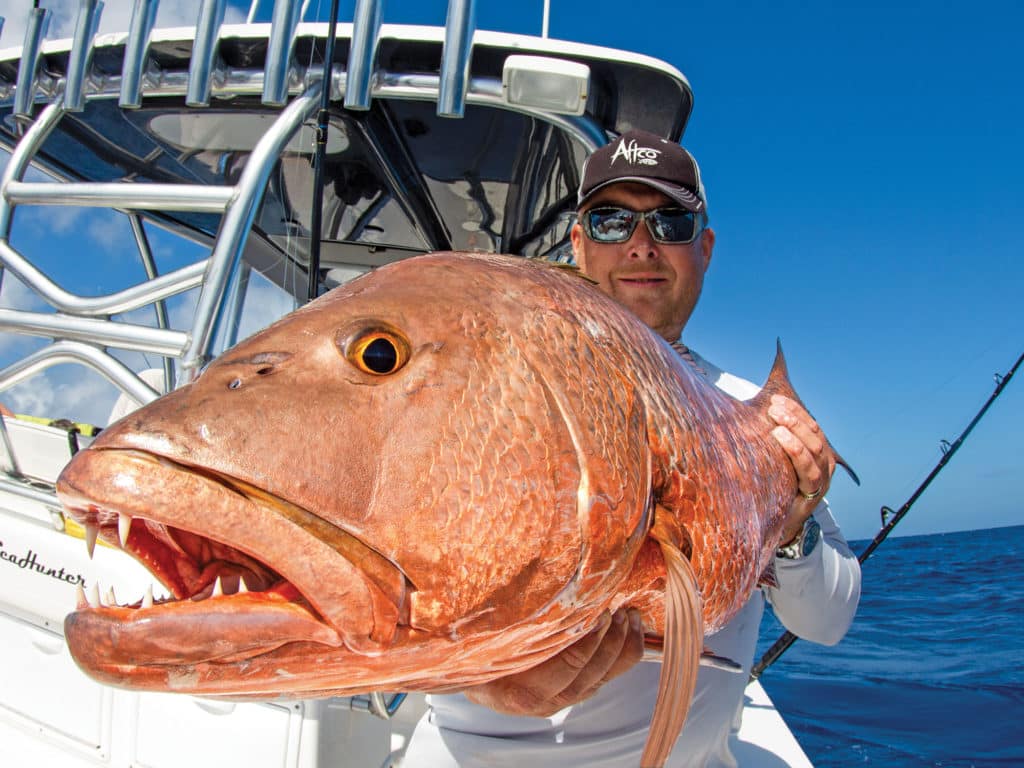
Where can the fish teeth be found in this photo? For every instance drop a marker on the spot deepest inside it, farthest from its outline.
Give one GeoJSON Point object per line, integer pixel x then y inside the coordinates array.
{"type": "Point", "coordinates": [124, 527]}
{"type": "Point", "coordinates": [91, 599]}
{"type": "Point", "coordinates": [218, 589]}
{"type": "Point", "coordinates": [242, 586]}
{"type": "Point", "coordinates": [91, 532]}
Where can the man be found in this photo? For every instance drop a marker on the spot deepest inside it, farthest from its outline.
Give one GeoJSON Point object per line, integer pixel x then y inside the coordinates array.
{"type": "Point", "coordinates": [642, 235]}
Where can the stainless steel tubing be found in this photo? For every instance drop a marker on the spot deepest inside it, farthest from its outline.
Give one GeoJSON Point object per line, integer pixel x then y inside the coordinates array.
{"type": "Point", "coordinates": [20, 158]}
{"type": "Point", "coordinates": [28, 67]}
{"type": "Point", "coordinates": [455, 58]}
{"type": "Point", "coordinates": [204, 51]}
{"type": "Point", "coordinates": [136, 51]}
{"type": "Point", "coordinates": [279, 52]}
{"type": "Point", "coordinates": [361, 54]}
{"type": "Point", "coordinates": [116, 372]}
{"type": "Point", "coordinates": [140, 295]}
{"type": "Point", "coordinates": [46, 498]}
{"type": "Point", "coordinates": [81, 54]}
{"type": "Point", "coordinates": [137, 338]}
{"type": "Point", "coordinates": [238, 220]}
{"type": "Point", "coordinates": [163, 197]}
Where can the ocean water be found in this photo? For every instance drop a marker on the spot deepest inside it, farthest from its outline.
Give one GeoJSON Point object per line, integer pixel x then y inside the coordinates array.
{"type": "Point", "coordinates": [932, 671]}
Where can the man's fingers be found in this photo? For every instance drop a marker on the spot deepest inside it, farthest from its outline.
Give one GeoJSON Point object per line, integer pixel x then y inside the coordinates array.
{"type": "Point", "coordinates": [809, 472]}
{"type": "Point", "coordinates": [568, 664]}
{"type": "Point", "coordinates": [539, 691]}
{"type": "Point", "coordinates": [621, 647]}
{"type": "Point", "coordinates": [632, 647]}
{"type": "Point", "coordinates": [802, 439]}
{"type": "Point", "coordinates": [788, 413]}
{"type": "Point", "coordinates": [612, 647]}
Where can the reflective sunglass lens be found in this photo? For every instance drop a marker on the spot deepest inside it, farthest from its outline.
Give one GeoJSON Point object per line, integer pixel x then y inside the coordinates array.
{"type": "Point", "coordinates": [611, 225]}
{"type": "Point", "coordinates": [672, 226]}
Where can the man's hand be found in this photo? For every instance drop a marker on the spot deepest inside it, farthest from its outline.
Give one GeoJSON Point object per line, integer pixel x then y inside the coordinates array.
{"type": "Point", "coordinates": [612, 647]}
{"type": "Point", "coordinates": [802, 440]}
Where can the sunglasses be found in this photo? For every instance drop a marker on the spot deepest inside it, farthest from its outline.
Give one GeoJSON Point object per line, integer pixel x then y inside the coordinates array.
{"type": "Point", "coordinates": [666, 225]}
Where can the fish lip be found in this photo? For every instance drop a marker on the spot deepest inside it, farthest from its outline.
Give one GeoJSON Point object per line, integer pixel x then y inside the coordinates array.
{"type": "Point", "coordinates": [104, 514]}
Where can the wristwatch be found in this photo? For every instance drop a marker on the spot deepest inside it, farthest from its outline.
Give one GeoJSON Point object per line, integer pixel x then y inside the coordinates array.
{"type": "Point", "coordinates": [803, 544]}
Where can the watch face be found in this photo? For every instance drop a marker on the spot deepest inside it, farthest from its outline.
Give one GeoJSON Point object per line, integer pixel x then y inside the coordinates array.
{"type": "Point", "coordinates": [804, 545]}
{"type": "Point", "coordinates": [812, 532]}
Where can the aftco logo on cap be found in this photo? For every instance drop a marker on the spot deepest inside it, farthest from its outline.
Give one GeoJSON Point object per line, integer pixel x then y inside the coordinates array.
{"type": "Point", "coordinates": [635, 154]}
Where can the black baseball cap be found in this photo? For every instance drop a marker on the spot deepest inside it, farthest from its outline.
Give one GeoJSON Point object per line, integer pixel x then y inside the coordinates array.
{"type": "Point", "coordinates": [645, 158]}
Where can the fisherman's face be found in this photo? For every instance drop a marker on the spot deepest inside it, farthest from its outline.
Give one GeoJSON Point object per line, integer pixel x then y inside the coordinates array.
{"type": "Point", "coordinates": [659, 282]}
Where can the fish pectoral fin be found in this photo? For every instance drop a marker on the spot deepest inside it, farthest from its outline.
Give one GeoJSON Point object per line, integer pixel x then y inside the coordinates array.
{"type": "Point", "coordinates": [768, 576]}
{"type": "Point", "coordinates": [683, 641]}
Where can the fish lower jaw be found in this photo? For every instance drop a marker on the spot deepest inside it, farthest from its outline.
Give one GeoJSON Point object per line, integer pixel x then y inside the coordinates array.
{"type": "Point", "coordinates": [178, 634]}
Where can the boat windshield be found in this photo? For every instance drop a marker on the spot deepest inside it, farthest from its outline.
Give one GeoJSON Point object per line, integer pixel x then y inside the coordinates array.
{"type": "Point", "coordinates": [397, 177]}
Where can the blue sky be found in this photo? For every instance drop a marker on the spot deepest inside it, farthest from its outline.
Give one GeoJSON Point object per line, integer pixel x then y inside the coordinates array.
{"type": "Point", "coordinates": [863, 164]}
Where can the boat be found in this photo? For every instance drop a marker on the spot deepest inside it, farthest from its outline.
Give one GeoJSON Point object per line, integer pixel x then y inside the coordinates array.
{"type": "Point", "coordinates": [198, 146]}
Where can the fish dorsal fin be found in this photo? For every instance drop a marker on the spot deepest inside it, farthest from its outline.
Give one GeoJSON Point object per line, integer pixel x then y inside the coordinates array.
{"type": "Point", "coordinates": [778, 384]}
{"type": "Point", "coordinates": [683, 641]}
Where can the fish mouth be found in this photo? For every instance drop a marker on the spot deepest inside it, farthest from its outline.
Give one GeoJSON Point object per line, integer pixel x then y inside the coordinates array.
{"type": "Point", "coordinates": [263, 574]}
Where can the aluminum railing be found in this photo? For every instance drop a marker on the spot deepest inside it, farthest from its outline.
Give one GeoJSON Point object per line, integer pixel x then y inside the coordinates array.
{"type": "Point", "coordinates": [80, 328]}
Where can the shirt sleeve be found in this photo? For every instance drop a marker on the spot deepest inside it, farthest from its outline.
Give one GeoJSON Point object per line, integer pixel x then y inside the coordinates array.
{"type": "Point", "coordinates": [817, 595]}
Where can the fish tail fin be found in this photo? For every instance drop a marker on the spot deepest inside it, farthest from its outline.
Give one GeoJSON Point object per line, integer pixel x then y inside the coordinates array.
{"type": "Point", "coordinates": [683, 642]}
{"type": "Point", "coordinates": [778, 384]}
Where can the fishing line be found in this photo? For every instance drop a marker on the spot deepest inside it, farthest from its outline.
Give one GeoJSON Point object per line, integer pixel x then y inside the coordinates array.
{"type": "Point", "coordinates": [919, 399]}
{"type": "Point", "coordinates": [290, 268]}
{"type": "Point", "coordinates": [891, 519]}
{"type": "Point", "coordinates": [322, 118]}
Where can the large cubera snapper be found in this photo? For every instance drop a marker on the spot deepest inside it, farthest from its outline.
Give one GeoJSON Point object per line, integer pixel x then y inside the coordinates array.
{"type": "Point", "coordinates": [439, 474]}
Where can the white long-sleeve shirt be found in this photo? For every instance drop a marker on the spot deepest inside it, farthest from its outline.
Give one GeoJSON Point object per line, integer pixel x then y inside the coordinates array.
{"type": "Point", "coordinates": [816, 598]}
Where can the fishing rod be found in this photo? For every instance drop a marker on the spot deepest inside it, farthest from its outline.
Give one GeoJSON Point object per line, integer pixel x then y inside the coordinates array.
{"type": "Point", "coordinates": [888, 523]}
{"type": "Point", "coordinates": [322, 117]}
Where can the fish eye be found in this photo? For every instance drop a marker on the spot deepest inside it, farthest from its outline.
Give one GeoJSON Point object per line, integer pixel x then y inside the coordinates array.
{"type": "Point", "coordinates": [378, 351]}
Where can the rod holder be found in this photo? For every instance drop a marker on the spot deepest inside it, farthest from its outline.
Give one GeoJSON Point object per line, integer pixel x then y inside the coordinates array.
{"type": "Point", "coordinates": [279, 52]}
{"type": "Point", "coordinates": [89, 12]}
{"type": "Point", "coordinates": [361, 54]}
{"type": "Point", "coordinates": [136, 53]}
{"type": "Point", "coordinates": [28, 68]}
{"type": "Point", "coordinates": [455, 59]}
{"type": "Point", "coordinates": [204, 51]}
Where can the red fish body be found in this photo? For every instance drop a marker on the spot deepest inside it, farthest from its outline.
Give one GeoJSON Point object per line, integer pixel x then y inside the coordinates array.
{"type": "Point", "coordinates": [438, 474]}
